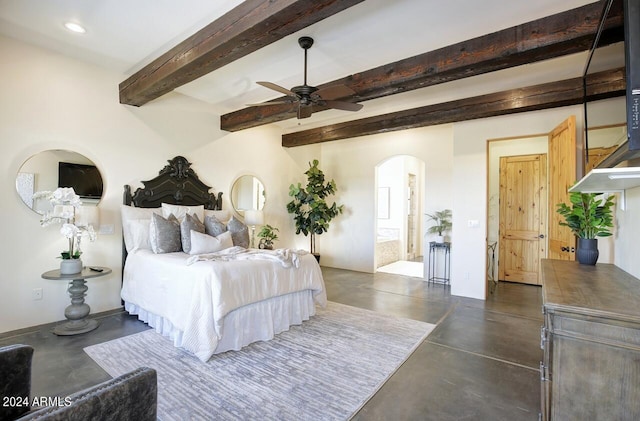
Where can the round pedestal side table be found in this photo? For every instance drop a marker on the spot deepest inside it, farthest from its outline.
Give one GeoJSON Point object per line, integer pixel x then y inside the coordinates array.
{"type": "Point", "coordinates": [77, 312]}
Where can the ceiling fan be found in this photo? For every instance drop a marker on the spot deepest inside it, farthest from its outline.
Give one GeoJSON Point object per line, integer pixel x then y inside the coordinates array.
{"type": "Point", "coordinates": [307, 96]}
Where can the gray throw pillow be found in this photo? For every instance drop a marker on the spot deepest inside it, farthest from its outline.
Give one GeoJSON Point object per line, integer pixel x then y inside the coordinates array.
{"type": "Point", "coordinates": [164, 234]}
{"type": "Point", "coordinates": [213, 226]}
{"type": "Point", "coordinates": [188, 224]}
{"type": "Point", "coordinates": [239, 232]}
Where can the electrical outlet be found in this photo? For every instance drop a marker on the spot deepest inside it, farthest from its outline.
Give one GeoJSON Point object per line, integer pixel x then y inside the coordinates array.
{"type": "Point", "coordinates": [36, 294]}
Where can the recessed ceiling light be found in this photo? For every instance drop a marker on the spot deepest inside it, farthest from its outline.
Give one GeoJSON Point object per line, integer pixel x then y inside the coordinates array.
{"type": "Point", "coordinates": [75, 27]}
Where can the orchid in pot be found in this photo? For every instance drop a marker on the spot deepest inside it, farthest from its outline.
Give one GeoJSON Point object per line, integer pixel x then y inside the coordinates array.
{"type": "Point", "coordinates": [66, 208]}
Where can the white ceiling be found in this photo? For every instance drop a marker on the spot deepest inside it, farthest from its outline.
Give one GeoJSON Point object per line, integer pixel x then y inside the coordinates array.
{"type": "Point", "coordinates": [124, 35]}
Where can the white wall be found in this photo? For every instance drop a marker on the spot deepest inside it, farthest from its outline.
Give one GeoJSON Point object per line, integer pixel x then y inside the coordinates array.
{"type": "Point", "coordinates": [349, 244]}
{"type": "Point", "coordinates": [52, 102]}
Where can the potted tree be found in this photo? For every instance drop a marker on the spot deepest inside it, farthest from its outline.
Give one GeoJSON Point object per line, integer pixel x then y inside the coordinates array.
{"type": "Point", "coordinates": [267, 236]}
{"type": "Point", "coordinates": [311, 211]}
{"type": "Point", "coordinates": [588, 217]}
{"type": "Point", "coordinates": [442, 221]}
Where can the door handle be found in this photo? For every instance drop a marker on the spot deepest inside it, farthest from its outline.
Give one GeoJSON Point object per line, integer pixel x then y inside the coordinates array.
{"type": "Point", "coordinates": [568, 249]}
{"type": "Point", "coordinates": [541, 236]}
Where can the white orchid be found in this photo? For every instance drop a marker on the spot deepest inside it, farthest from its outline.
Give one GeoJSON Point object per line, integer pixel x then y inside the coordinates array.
{"type": "Point", "coordinates": [66, 205]}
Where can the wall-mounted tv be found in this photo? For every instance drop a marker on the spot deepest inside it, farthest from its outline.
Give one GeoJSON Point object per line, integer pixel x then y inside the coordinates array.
{"type": "Point", "coordinates": [629, 150]}
{"type": "Point", "coordinates": [85, 179]}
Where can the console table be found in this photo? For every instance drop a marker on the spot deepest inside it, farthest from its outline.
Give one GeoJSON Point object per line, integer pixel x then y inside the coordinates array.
{"type": "Point", "coordinates": [77, 312]}
{"type": "Point", "coordinates": [432, 272]}
{"type": "Point", "coordinates": [591, 342]}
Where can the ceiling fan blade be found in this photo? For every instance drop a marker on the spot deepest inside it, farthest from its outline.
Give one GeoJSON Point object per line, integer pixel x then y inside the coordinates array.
{"type": "Point", "coordinates": [304, 111]}
{"type": "Point", "coordinates": [342, 105]}
{"type": "Point", "coordinates": [277, 88]}
{"type": "Point", "coordinates": [261, 104]}
{"type": "Point", "coordinates": [332, 92]}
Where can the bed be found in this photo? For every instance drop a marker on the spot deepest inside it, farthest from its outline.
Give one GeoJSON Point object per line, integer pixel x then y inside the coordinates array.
{"type": "Point", "coordinates": [208, 303]}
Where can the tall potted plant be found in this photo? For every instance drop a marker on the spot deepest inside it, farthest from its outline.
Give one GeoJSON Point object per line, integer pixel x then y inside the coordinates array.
{"type": "Point", "coordinates": [443, 224]}
{"type": "Point", "coordinates": [588, 217]}
{"type": "Point", "coordinates": [309, 206]}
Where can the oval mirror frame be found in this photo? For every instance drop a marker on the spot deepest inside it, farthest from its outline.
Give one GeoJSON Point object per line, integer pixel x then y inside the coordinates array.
{"type": "Point", "coordinates": [40, 173]}
{"type": "Point", "coordinates": [247, 193]}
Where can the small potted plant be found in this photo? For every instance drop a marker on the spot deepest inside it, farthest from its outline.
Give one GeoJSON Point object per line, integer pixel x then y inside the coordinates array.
{"type": "Point", "coordinates": [267, 236]}
{"type": "Point", "coordinates": [442, 221]}
{"type": "Point", "coordinates": [588, 217]}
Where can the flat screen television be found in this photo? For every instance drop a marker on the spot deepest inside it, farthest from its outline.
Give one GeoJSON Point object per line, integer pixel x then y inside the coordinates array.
{"type": "Point", "coordinates": [629, 150]}
{"type": "Point", "coordinates": [85, 179]}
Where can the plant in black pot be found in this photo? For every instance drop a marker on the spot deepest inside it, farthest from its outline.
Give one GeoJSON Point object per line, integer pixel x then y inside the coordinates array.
{"type": "Point", "coordinates": [588, 217]}
{"type": "Point", "coordinates": [311, 211]}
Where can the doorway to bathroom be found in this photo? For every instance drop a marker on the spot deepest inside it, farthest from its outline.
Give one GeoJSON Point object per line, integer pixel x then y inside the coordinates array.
{"type": "Point", "coordinates": [399, 240]}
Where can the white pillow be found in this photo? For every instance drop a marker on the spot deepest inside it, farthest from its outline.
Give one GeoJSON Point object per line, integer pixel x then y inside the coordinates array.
{"type": "Point", "coordinates": [138, 235]}
{"type": "Point", "coordinates": [129, 214]}
{"type": "Point", "coordinates": [205, 243]}
{"type": "Point", "coordinates": [221, 215]}
{"type": "Point", "coordinates": [180, 211]}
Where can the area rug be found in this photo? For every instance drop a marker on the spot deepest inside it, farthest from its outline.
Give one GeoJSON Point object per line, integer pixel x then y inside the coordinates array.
{"type": "Point", "coordinates": [325, 369]}
{"type": "Point", "coordinates": [403, 267]}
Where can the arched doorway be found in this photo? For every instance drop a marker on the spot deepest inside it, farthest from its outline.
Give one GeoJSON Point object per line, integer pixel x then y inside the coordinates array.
{"type": "Point", "coordinates": [399, 223]}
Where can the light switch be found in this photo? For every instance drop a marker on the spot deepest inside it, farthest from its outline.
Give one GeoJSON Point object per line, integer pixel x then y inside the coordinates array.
{"type": "Point", "coordinates": [473, 223]}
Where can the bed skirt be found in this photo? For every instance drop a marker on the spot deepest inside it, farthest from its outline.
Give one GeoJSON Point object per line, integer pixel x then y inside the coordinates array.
{"type": "Point", "coordinates": [259, 321]}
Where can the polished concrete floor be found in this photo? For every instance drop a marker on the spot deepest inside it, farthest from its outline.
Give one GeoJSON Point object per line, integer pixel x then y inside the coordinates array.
{"type": "Point", "coordinates": [480, 363]}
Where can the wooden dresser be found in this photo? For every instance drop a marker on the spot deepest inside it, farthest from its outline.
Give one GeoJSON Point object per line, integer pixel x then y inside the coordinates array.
{"type": "Point", "coordinates": [591, 342]}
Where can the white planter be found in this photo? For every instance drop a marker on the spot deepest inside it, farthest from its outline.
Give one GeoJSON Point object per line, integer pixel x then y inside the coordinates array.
{"type": "Point", "coordinates": [70, 266]}
{"type": "Point", "coordinates": [439, 239]}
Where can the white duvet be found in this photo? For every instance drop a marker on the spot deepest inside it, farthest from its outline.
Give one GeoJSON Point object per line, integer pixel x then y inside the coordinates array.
{"type": "Point", "coordinates": [195, 295]}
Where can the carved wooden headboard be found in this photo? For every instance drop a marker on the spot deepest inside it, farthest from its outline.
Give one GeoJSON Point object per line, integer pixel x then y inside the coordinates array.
{"type": "Point", "coordinates": [176, 184]}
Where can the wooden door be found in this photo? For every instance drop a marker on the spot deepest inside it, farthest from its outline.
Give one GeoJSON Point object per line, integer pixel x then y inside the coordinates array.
{"type": "Point", "coordinates": [562, 175]}
{"type": "Point", "coordinates": [522, 226]}
{"type": "Point", "coordinates": [596, 156]}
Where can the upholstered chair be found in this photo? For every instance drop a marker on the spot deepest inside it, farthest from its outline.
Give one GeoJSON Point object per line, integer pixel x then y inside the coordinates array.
{"type": "Point", "coordinates": [132, 396]}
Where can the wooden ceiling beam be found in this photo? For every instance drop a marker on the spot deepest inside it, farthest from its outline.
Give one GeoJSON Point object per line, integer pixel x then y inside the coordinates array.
{"type": "Point", "coordinates": [553, 36]}
{"type": "Point", "coordinates": [248, 27]}
{"type": "Point", "coordinates": [601, 85]}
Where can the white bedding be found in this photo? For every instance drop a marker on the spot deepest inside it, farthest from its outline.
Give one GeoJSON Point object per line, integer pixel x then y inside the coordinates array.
{"type": "Point", "coordinates": [195, 298]}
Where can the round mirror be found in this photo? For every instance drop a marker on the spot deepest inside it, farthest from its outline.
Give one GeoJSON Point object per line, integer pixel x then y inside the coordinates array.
{"type": "Point", "coordinates": [48, 170]}
{"type": "Point", "coordinates": [247, 193]}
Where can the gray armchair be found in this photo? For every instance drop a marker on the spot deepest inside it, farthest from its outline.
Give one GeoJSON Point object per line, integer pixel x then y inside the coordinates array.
{"type": "Point", "coordinates": [132, 396]}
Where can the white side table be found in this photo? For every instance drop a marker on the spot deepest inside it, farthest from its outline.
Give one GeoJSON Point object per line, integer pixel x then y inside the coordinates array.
{"type": "Point", "coordinates": [77, 312]}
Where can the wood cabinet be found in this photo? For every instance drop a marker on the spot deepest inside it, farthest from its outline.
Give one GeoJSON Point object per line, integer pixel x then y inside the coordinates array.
{"type": "Point", "coordinates": [591, 342]}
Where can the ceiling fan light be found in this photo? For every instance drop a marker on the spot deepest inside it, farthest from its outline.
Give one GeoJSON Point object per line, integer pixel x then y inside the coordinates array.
{"type": "Point", "coordinates": [75, 27]}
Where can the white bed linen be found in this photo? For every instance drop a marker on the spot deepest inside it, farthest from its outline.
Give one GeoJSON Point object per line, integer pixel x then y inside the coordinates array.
{"type": "Point", "coordinates": [190, 302]}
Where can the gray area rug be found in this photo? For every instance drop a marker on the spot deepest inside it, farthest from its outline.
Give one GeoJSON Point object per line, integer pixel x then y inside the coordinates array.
{"type": "Point", "coordinates": [325, 369]}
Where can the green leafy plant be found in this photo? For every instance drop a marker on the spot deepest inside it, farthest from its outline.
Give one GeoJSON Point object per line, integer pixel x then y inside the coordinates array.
{"type": "Point", "coordinates": [267, 236]}
{"type": "Point", "coordinates": [442, 221]}
{"type": "Point", "coordinates": [588, 216]}
{"type": "Point", "coordinates": [312, 213]}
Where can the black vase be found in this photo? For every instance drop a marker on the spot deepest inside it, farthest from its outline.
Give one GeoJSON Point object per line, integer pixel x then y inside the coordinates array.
{"type": "Point", "coordinates": [587, 252]}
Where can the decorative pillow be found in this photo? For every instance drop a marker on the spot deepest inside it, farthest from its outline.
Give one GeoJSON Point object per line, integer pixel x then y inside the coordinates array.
{"type": "Point", "coordinates": [204, 243]}
{"type": "Point", "coordinates": [239, 232]}
{"type": "Point", "coordinates": [129, 214]}
{"type": "Point", "coordinates": [138, 235]}
{"type": "Point", "coordinates": [221, 215]}
{"type": "Point", "coordinates": [164, 234]}
{"type": "Point", "coordinates": [213, 226]}
{"type": "Point", "coordinates": [180, 211]}
{"type": "Point", "coordinates": [188, 224]}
